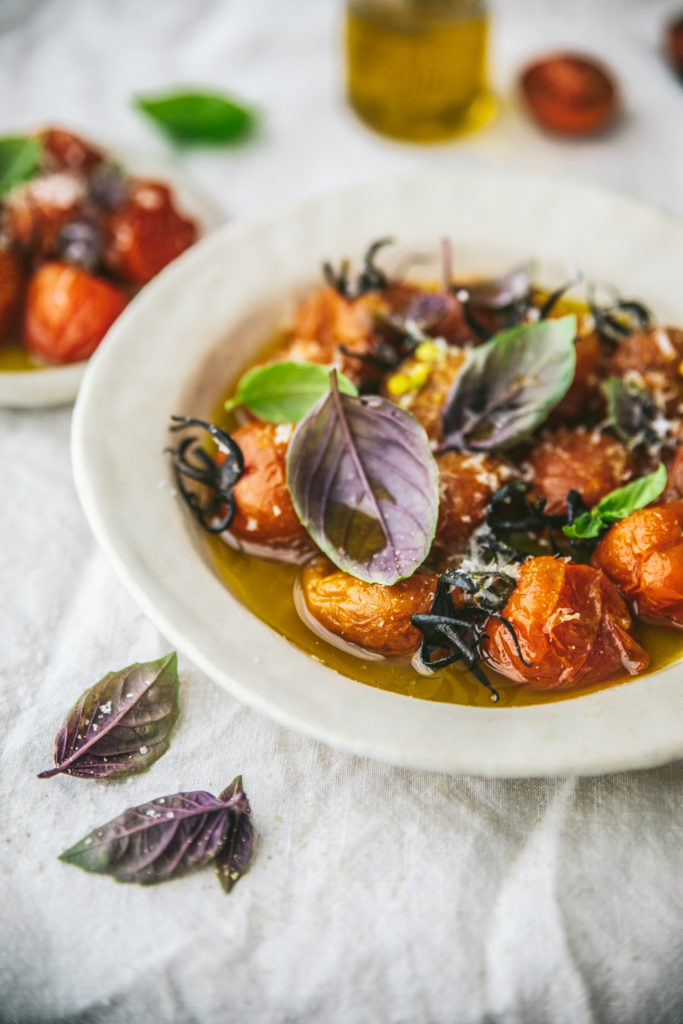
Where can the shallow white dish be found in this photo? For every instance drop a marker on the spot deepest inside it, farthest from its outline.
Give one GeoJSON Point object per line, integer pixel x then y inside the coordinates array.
{"type": "Point", "coordinates": [58, 385]}
{"type": "Point", "coordinates": [192, 330]}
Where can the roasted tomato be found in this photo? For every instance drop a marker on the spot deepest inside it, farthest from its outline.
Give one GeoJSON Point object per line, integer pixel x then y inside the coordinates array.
{"type": "Point", "coordinates": [369, 615]}
{"type": "Point", "coordinates": [656, 355]}
{"type": "Point", "coordinates": [585, 461]}
{"type": "Point", "coordinates": [466, 483]}
{"type": "Point", "coordinates": [265, 513]}
{"type": "Point", "coordinates": [422, 383]}
{"type": "Point", "coordinates": [674, 482]}
{"type": "Point", "coordinates": [146, 233]}
{"type": "Point", "coordinates": [643, 555]}
{"type": "Point", "coordinates": [572, 626]}
{"type": "Point", "coordinates": [585, 395]}
{"type": "Point", "coordinates": [570, 94]}
{"type": "Point", "coordinates": [11, 289]}
{"type": "Point", "coordinates": [68, 312]}
{"type": "Point", "coordinates": [437, 314]}
{"type": "Point", "coordinates": [65, 151]}
{"type": "Point", "coordinates": [336, 331]}
{"type": "Point", "coordinates": [36, 212]}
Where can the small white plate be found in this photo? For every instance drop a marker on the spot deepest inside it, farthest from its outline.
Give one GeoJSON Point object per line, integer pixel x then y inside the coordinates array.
{"type": "Point", "coordinates": [181, 340]}
{"type": "Point", "coordinates": [58, 385]}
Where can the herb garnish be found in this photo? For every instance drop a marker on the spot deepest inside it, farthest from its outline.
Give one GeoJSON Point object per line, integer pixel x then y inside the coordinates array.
{"type": "Point", "coordinates": [285, 392]}
{"type": "Point", "coordinates": [364, 483]}
{"type": "Point", "coordinates": [634, 414]}
{"type": "Point", "coordinates": [459, 629]}
{"type": "Point", "coordinates": [615, 320]}
{"type": "Point", "coordinates": [198, 117]}
{"type": "Point", "coordinates": [171, 836]}
{"type": "Point", "coordinates": [617, 505]}
{"type": "Point", "coordinates": [216, 476]}
{"type": "Point", "coordinates": [121, 725]}
{"type": "Point", "coordinates": [508, 386]}
{"type": "Point", "coordinates": [20, 157]}
{"type": "Point", "coordinates": [370, 278]}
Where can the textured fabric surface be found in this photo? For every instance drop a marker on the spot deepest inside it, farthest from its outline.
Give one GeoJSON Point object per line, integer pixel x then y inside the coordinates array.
{"type": "Point", "coordinates": [376, 894]}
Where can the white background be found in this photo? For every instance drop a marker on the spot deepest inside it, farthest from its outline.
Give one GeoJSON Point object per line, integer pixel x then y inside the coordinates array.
{"type": "Point", "coordinates": [376, 894]}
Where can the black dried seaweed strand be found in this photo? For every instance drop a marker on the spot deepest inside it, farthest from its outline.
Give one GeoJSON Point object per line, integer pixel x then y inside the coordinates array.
{"type": "Point", "coordinates": [510, 512]}
{"type": "Point", "coordinates": [370, 278]}
{"type": "Point", "coordinates": [460, 630]}
{"type": "Point", "coordinates": [617, 320]}
{"type": "Point", "coordinates": [192, 461]}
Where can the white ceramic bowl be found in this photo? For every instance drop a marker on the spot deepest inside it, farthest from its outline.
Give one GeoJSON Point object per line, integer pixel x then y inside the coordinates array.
{"type": "Point", "coordinates": [58, 385]}
{"type": "Point", "coordinates": [194, 328]}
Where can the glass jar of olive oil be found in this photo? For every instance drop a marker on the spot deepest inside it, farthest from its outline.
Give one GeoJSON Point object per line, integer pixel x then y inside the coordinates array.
{"type": "Point", "coordinates": [417, 68]}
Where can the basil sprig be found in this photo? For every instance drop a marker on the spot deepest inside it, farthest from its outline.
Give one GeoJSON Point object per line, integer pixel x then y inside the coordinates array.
{"type": "Point", "coordinates": [617, 505]}
{"type": "Point", "coordinates": [198, 117]}
{"type": "Point", "coordinates": [285, 392]}
{"type": "Point", "coordinates": [20, 158]}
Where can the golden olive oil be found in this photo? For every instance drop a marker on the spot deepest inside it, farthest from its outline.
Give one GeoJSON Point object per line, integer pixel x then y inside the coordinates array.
{"type": "Point", "coordinates": [417, 69]}
{"type": "Point", "coordinates": [14, 358]}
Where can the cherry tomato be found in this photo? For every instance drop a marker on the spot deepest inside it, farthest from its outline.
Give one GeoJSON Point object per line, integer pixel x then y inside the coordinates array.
{"type": "Point", "coordinates": [466, 483]}
{"type": "Point", "coordinates": [68, 312]}
{"type": "Point", "coordinates": [36, 213]}
{"type": "Point", "coordinates": [11, 289]}
{"type": "Point", "coordinates": [572, 625]}
{"type": "Point", "coordinates": [65, 151]}
{"type": "Point", "coordinates": [585, 461]}
{"type": "Point", "coordinates": [265, 513]}
{"type": "Point", "coordinates": [570, 94]}
{"type": "Point", "coordinates": [146, 233]}
{"type": "Point", "coordinates": [327, 326]}
{"type": "Point", "coordinates": [370, 615]}
{"type": "Point", "coordinates": [643, 555]}
{"type": "Point", "coordinates": [655, 354]}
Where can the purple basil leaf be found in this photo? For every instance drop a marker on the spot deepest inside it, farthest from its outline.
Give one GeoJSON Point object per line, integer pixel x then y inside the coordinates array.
{"type": "Point", "coordinates": [502, 291]}
{"type": "Point", "coordinates": [121, 725]}
{"type": "Point", "coordinates": [162, 839]}
{"type": "Point", "coordinates": [365, 485]}
{"type": "Point", "coordinates": [508, 386]}
{"type": "Point", "coordinates": [232, 860]}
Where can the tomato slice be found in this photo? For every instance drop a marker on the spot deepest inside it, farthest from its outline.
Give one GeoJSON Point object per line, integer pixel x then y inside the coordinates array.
{"type": "Point", "coordinates": [570, 94]}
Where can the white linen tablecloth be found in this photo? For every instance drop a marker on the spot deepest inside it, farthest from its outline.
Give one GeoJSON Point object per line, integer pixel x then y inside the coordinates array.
{"type": "Point", "coordinates": [376, 894]}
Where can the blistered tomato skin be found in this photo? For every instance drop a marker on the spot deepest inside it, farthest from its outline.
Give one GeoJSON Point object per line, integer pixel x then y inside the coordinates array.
{"type": "Point", "coordinates": [585, 461]}
{"type": "Point", "coordinates": [643, 555]}
{"type": "Point", "coordinates": [264, 510]}
{"type": "Point", "coordinates": [369, 615]}
{"type": "Point", "coordinates": [65, 151]}
{"type": "Point", "coordinates": [656, 356]}
{"type": "Point", "coordinates": [146, 233]}
{"type": "Point", "coordinates": [570, 94]}
{"type": "Point", "coordinates": [326, 324]}
{"type": "Point", "coordinates": [572, 626]}
{"type": "Point", "coordinates": [11, 289]}
{"type": "Point", "coordinates": [584, 395]}
{"type": "Point", "coordinates": [68, 312]}
{"type": "Point", "coordinates": [466, 483]}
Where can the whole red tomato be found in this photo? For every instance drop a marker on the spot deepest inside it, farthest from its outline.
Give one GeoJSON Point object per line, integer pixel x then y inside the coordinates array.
{"type": "Point", "coordinates": [68, 312]}
{"type": "Point", "coordinates": [570, 94]}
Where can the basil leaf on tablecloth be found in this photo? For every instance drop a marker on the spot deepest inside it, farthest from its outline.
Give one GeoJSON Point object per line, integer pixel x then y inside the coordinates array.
{"type": "Point", "coordinates": [20, 158]}
{"type": "Point", "coordinates": [508, 386]}
{"type": "Point", "coordinates": [198, 117]}
{"type": "Point", "coordinates": [365, 485]}
{"type": "Point", "coordinates": [121, 725]}
{"type": "Point", "coordinates": [169, 837]}
{"type": "Point", "coordinates": [617, 505]}
{"type": "Point", "coordinates": [232, 860]}
{"type": "Point", "coordinates": [285, 392]}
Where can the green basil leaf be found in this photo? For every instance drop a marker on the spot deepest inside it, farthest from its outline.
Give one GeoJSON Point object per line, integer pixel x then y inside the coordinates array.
{"type": "Point", "coordinates": [285, 392]}
{"type": "Point", "coordinates": [618, 504]}
{"type": "Point", "coordinates": [20, 158]}
{"type": "Point", "coordinates": [508, 386]}
{"type": "Point", "coordinates": [198, 116]}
